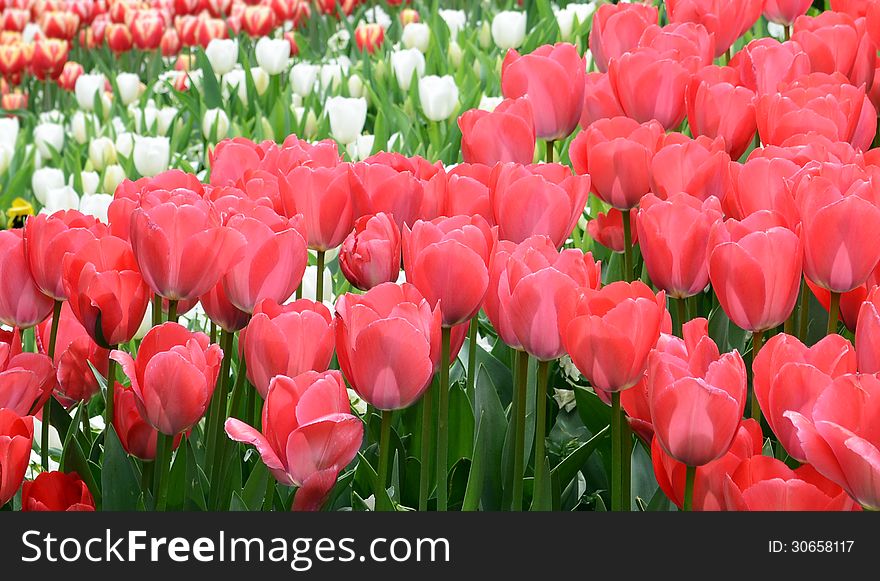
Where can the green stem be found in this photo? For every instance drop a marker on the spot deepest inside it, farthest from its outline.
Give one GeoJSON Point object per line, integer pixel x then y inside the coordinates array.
{"type": "Point", "coordinates": [111, 390]}
{"type": "Point", "coordinates": [157, 310]}
{"type": "Point", "coordinates": [164, 448]}
{"type": "Point", "coordinates": [44, 427]}
{"type": "Point", "coordinates": [626, 448]}
{"type": "Point", "coordinates": [147, 475]}
{"type": "Point", "coordinates": [690, 476]}
{"type": "Point", "coordinates": [472, 360]}
{"type": "Point", "coordinates": [804, 311]}
{"type": "Point", "coordinates": [549, 157]}
{"type": "Point", "coordinates": [172, 311]}
{"type": "Point", "coordinates": [319, 283]}
{"type": "Point", "coordinates": [615, 452]}
{"type": "Point", "coordinates": [540, 426]}
{"type": "Point", "coordinates": [522, 383]}
{"type": "Point", "coordinates": [443, 422]}
{"type": "Point", "coordinates": [216, 443]}
{"type": "Point", "coordinates": [680, 316]}
{"type": "Point", "coordinates": [270, 494]}
{"type": "Point", "coordinates": [833, 313]}
{"type": "Point", "coordinates": [384, 451]}
{"type": "Point", "coordinates": [237, 389]}
{"type": "Point", "coordinates": [757, 343]}
{"type": "Point", "coordinates": [425, 465]}
{"type": "Point", "coordinates": [627, 247]}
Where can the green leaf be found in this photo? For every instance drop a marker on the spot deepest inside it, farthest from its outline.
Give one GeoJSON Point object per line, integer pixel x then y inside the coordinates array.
{"type": "Point", "coordinates": [491, 428]}
{"type": "Point", "coordinates": [255, 490]}
{"type": "Point", "coordinates": [178, 484]}
{"type": "Point", "coordinates": [383, 501]}
{"type": "Point", "coordinates": [461, 425]}
{"type": "Point", "coordinates": [73, 460]}
{"type": "Point", "coordinates": [119, 480]}
{"type": "Point", "coordinates": [565, 471]}
{"type": "Point", "coordinates": [476, 478]}
{"type": "Point", "coordinates": [210, 85]}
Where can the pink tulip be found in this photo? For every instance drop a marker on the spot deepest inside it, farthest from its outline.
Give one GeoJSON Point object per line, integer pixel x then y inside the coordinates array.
{"type": "Point", "coordinates": [324, 198]}
{"type": "Point", "coordinates": [717, 106]}
{"type": "Point", "coordinates": [650, 85]}
{"type": "Point", "coordinates": [600, 102]}
{"type": "Point", "coordinates": [22, 303]}
{"type": "Point", "coordinates": [785, 12]}
{"type": "Point", "coordinates": [762, 183]}
{"type": "Point", "coordinates": [837, 42]}
{"type": "Point", "coordinates": [699, 167]}
{"type": "Point", "coordinates": [726, 19]}
{"type": "Point", "coordinates": [607, 229]}
{"type": "Point", "coordinates": [616, 29]}
{"type": "Point", "coordinates": [26, 379]}
{"type": "Point", "coordinates": [506, 134]}
{"type": "Point", "coordinates": [765, 63]}
{"type": "Point", "coordinates": [370, 255]}
{"type": "Point", "coordinates": [868, 333]}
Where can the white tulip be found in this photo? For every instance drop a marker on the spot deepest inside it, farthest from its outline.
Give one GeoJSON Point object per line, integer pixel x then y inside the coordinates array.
{"type": "Point", "coordinates": [45, 179]}
{"type": "Point", "coordinates": [355, 86]}
{"type": "Point", "coordinates": [146, 322]}
{"type": "Point", "coordinates": [102, 152]}
{"type": "Point", "coordinates": [9, 129]}
{"type": "Point", "coordinates": [303, 77]}
{"type": "Point", "coordinates": [125, 144]}
{"type": "Point", "coordinates": [53, 116]}
{"type": "Point", "coordinates": [49, 139]}
{"type": "Point", "coordinates": [565, 17]}
{"type": "Point", "coordinates": [361, 148]}
{"type": "Point", "coordinates": [377, 15]}
{"type": "Point", "coordinates": [405, 64]}
{"type": "Point", "coordinates": [273, 54]}
{"type": "Point", "coordinates": [87, 86]}
{"type": "Point", "coordinates": [261, 80]}
{"type": "Point", "coordinates": [509, 29]}
{"type": "Point", "coordinates": [347, 117]}
{"type": "Point", "coordinates": [235, 80]}
{"type": "Point", "coordinates": [333, 71]}
{"type": "Point", "coordinates": [96, 205]}
{"type": "Point", "coordinates": [152, 155]}
{"type": "Point", "coordinates": [164, 118]}
{"type": "Point", "coordinates": [145, 119]}
{"type": "Point", "coordinates": [416, 35]}
{"type": "Point", "coordinates": [113, 176]}
{"type": "Point", "coordinates": [129, 85]}
{"type": "Point", "coordinates": [489, 103]}
{"type": "Point", "coordinates": [455, 54]}
{"type": "Point", "coordinates": [90, 181]}
{"type": "Point", "coordinates": [222, 53]}
{"type": "Point", "coordinates": [57, 199]}
{"type": "Point", "coordinates": [215, 124]}
{"type": "Point", "coordinates": [439, 97]}
{"type": "Point", "coordinates": [455, 20]}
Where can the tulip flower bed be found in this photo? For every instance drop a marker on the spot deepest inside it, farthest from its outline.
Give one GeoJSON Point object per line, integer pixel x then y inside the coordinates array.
{"type": "Point", "coordinates": [376, 256]}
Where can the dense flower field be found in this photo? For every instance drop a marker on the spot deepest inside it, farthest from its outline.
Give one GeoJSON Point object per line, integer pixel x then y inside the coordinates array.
{"type": "Point", "coordinates": [343, 255]}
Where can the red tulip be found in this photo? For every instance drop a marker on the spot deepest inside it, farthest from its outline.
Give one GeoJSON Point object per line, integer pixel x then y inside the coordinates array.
{"type": "Point", "coordinates": [49, 238]}
{"type": "Point", "coordinates": [370, 255]}
{"type": "Point", "coordinates": [650, 85]}
{"type": "Point", "coordinates": [537, 199]}
{"type": "Point", "coordinates": [232, 158]}
{"type": "Point", "coordinates": [726, 19]}
{"type": "Point", "coordinates": [170, 43]}
{"type": "Point", "coordinates": [107, 294]}
{"type": "Point", "coordinates": [552, 78]}
{"type": "Point", "coordinates": [49, 56]}
{"type": "Point", "coordinates": [170, 231]}
{"type": "Point", "coordinates": [785, 12]}
{"type": "Point", "coordinates": [119, 37]}
{"type": "Point", "coordinates": [709, 479]}
{"type": "Point", "coordinates": [600, 102]}
{"type": "Point", "coordinates": [274, 260]}
{"type": "Point", "coordinates": [258, 20]}
{"type": "Point", "coordinates": [506, 134]}
{"type": "Point", "coordinates": [22, 304]}
{"type": "Point", "coordinates": [762, 483]}
{"type": "Point", "coordinates": [467, 191]}
{"type": "Point", "coordinates": [66, 80]}
{"type": "Point", "coordinates": [75, 355]}
{"type": "Point", "coordinates": [308, 434]}
{"type": "Point", "coordinates": [128, 193]}
{"type": "Point", "coordinates": [762, 183]}
{"type": "Point", "coordinates": [324, 197]}
{"type": "Point", "coordinates": [147, 31]}
{"type": "Point", "coordinates": [617, 28]}
{"type": "Point", "coordinates": [764, 63]}
{"type": "Point", "coordinates": [447, 260]}
{"type": "Point", "coordinates": [788, 375]}
{"type": "Point", "coordinates": [836, 42]}
{"type": "Point", "coordinates": [16, 440]}
{"type": "Point", "coordinates": [690, 43]}
{"type": "Point", "coordinates": [841, 439]}
{"type": "Point", "coordinates": [839, 252]}
{"type": "Point", "coordinates": [541, 287]}
{"type": "Point", "coordinates": [26, 379]}
{"type": "Point", "coordinates": [698, 167]}
{"type": "Point", "coordinates": [612, 331]}
{"type": "Point", "coordinates": [380, 187]}
{"type": "Point", "coordinates": [57, 492]}
{"type": "Point", "coordinates": [868, 334]}
{"type": "Point", "coordinates": [617, 155]}
{"type": "Point", "coordinates": [222, 312]}
{"type": "Point", "coordinates": [173, 376]}
{"type": "Point", "coordinates": [287, 340]}
{"type": "Point", "coordinates": [607, 229]}
{"type": "Point", "coordinates": [369, 37]}
{"type": "Point", "coordinates": [674, 237]}
{"type": "Point", "coordinates": [718, 107]}
{"type": "Point", "coordinates": [818, 103]}
{"type": "Point", "coordinates": [804, 148]}
{"type": "Point", "coordinates": [137, 437]}
{"type": "Point", "coordinates": [388, 344]}
{"type": "Point", "coordinates": [753, 295]}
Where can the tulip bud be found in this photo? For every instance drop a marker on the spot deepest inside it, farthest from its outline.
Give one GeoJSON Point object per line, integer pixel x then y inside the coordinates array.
{"type": "Point", "coordinates": [347, 118]}
{"type": "Point", "coordinates": [370, 255]}
{"type": "Point", "coordinates": [509, 29]}
{"type": "Point", "coordinates": [272, 54]}
{"type": "Point", "coordinates": [405, 64]}
{"type": "Point", "coordinates": [49, 139]}
{"type": "Point", "coordinates": [101, 153]}
{"type": "Point", "coordinates": [455, 54]}
{"type": "Point", "coordinates": [152, 155]}
{"type": "Point", "coordinates": [215, 124]}
{"type": "Point", "coordinates": [113, 176]}
{"type": "Point", "coordinates": [416, 35]}
{"type": "Point", "coordinates": [261, 80]}
{"type": "Point", "coordinates": [355, 86]}
{"type": "Point", "coordinates": [222, 53]}
{"type": "Point", "coordinates": [79, 126]}
{"type": "Point", "coordinates": [485, 36]}
{"type": "Point", "coordinates": [438, 96]}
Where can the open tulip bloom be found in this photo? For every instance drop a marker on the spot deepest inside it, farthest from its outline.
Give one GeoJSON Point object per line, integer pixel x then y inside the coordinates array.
{"type": "Point", "coordinates": [393, 256]}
